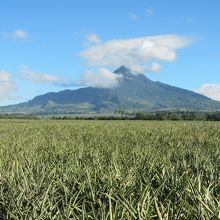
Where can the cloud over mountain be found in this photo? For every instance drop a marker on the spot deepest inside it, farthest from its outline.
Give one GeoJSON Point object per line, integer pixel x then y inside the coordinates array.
{"type": "Point", "coordinates": [7, 87]}
{"type": "Point", "coordinates": [155, 67]}
{"type": "Point", "coordinates": [34, 77]}
{"type": "Point", "coordinates": [135, 53]}
{"type": "Point", "coordinates": [102, 78]}
{"type": "Point", "coordinates": [210, 90]}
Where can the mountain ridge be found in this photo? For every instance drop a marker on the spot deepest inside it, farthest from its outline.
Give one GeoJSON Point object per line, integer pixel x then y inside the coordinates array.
{"type": "Point", "coordinates": [134, 92]}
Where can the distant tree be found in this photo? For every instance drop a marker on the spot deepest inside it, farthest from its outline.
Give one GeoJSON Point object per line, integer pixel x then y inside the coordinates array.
{"type": "Point", "coordinates": [140, 115]}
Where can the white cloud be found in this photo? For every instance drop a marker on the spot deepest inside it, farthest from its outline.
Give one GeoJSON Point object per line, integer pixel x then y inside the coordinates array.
{"type": "Point", "coordinates": [7, 87]}
{"type": "Point", "coordinates": [17, 35]}
{"type": "Point", "coordinates": [134, 53]}
{"type": "Point", "coordinates": [20, 34]}
{"type": "Point", "coordinates": [150, 11]}
{"type": "Point", "coordinates": [102, 78]}
{"type": "Point", "coordinates": [210, 90]}
{"type": "Point", "coordinates": [155, 67]}
{"type": "Point", "coordinates": [92, 39]}
{"type": "Point", "coordinates": [34, 77]}
{"type": "Point", "coordinates": [134, 17]}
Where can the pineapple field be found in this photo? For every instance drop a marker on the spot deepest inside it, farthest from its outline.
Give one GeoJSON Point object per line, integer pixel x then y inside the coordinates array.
{"type": "Point", "coordinates": [78, 169]}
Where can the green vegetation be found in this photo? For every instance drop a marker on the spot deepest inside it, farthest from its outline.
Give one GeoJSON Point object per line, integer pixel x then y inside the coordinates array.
{"type": "Point", "coordinates": [122, 115]}
{"type": "Point", "coordinates": [109, 169]}
{"type": "Point", "coordinates": [179, 115]}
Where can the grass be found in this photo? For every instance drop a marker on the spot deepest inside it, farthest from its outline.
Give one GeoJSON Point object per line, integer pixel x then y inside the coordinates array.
{"type": "Point", "coordinates": [109, 170]}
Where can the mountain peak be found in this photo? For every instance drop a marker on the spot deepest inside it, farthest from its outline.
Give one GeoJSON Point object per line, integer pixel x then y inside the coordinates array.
{"type": "Point", "coordinates": [125, 71]}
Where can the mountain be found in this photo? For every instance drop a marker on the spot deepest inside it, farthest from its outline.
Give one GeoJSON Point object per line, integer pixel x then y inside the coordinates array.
{"type": "Point", "coordinates": [134, 92]}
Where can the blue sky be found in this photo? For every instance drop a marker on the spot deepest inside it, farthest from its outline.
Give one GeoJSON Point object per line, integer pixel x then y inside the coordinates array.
{"type": "Point", "coordinates": [45, 43]}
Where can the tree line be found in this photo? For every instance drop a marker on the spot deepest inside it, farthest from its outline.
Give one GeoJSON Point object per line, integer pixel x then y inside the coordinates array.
{"type": "Point", "coordinates": [164, 115]}
{"type": "Point", "coordinates": [179, 115]}
{"type": "Point", "coordinates": [122, 115]}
